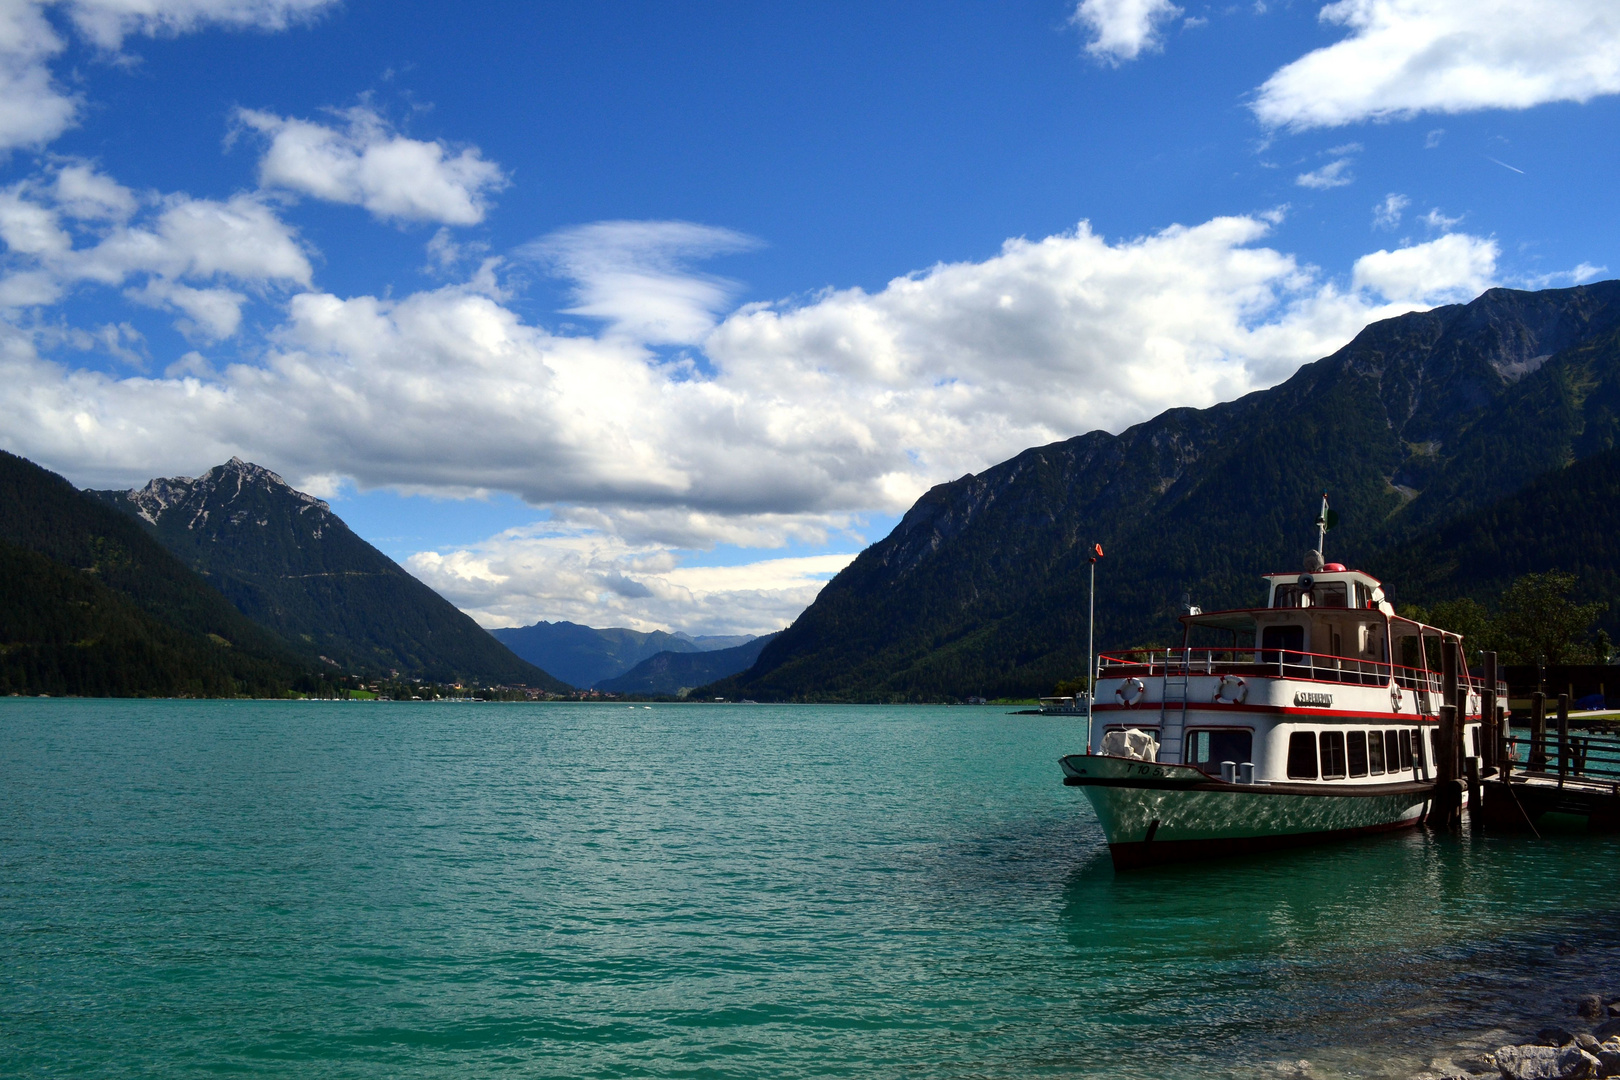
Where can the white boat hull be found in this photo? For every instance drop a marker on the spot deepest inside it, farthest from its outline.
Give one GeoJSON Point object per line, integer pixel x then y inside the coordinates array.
{"type": "Point", "coordinates": [1152, 812]}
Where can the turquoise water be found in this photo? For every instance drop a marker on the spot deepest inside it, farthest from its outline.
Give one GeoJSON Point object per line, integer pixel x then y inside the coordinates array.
{"type": "Point", "coordinates": [369, 890]}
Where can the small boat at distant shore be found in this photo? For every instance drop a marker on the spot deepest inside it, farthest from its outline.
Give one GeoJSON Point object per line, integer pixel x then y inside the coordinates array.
{"type": "Point", "coordinates": [1312, 717]}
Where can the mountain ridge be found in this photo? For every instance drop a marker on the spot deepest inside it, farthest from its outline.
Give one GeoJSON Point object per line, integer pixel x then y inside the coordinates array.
{"type": "Point", "coordinates": [981, 587]}
{"type": "Point", "coordinates": [285, 560]}
{"type": "Point", "coordinates": [589, 655]}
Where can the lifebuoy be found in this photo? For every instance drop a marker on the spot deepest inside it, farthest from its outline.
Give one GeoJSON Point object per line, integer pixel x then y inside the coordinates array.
{"type": "Point", "coordinates": [1129, 692]}
{"type": "Point", "coordinates": [1231, 690]}
{"type": "Point", "coordinates": [1395, 697]}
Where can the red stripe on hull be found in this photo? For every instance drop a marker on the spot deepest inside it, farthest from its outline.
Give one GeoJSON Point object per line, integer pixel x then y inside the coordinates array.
{"type": "Point", "coordinates": [1139, 853]}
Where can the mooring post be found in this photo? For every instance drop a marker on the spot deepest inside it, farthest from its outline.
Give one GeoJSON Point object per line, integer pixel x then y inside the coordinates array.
{"type": "Point", "coordinates": [1538, 733]}
{"type": "Point", "coordinates": [1494, 740]}
{"type": "Point", "coordinates": [1451, 734]}
{"type": "Point", "coordinates": [1563, 738]}
{"type": "Point", "coordinates": [1446, 806]}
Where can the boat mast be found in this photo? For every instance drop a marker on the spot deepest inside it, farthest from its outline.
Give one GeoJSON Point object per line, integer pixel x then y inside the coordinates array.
{"type": "Point", "coordinates": [1322, 526]}
{"type": "Point", "coordinates": [1091, 648]}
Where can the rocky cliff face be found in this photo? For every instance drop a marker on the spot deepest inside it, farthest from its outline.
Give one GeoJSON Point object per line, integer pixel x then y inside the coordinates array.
{"type": "Point", "coordinates": [286, 561]}
{"type": "Point", "coordinates": [981, 587]}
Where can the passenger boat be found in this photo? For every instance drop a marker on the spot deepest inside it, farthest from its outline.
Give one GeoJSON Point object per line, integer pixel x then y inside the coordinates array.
{"type": "Point", "coordinates": [1310, 718]}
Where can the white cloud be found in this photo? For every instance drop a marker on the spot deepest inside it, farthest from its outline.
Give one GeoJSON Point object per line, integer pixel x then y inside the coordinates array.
{"type": "Point", "coordinates": [34, 110]}
{"type": "Point", "coordinates": [803, 415]}
{"type": "Point", "coordinates": [177, 254]}
{"type": "Point", "coordinates": [1579, 275]}
{"type": "Point", "coordinates": [599, 579]}
{"type": "Point", "coordinates": [1406, 57]}
{"type": "Point", "coordinates": [1387, 214]}
{"type": "Point", "coordinates": [108, 22]}
{"type": "Point", "coordinates": [1334, 174]}
{"type": "Point", "coordinates": [1123, 29]}
{"type": "Point", "coordinates": [637, 276]}
{"type": "Point", "coordinates": [1435, 221]}
{"type": "Point", "coordinates": [1453, 268]}
{"type": "Point", "coordinates": [364, 162]}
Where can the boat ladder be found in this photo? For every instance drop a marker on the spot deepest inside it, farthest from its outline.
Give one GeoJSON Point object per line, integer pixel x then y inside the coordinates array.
{"type": "Point", "coordinates": [1173, 708]}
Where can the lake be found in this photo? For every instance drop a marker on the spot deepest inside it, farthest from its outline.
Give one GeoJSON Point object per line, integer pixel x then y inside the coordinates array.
{"type": "Point", "coordinates": [340, 889]}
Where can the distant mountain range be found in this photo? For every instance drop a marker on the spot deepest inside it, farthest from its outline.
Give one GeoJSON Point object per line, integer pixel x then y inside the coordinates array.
{"type": "Point", "coordinates": [284, 560]}
{"type": "Point", "coordinates": [677, 673]}
{"type": "Point", "coordinates": [585, 656]}
{"type": "Point", "coordinates": [1460, 446]}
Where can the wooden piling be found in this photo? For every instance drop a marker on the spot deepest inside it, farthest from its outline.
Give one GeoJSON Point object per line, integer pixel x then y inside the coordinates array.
{"type": "Point", "coordinates": [1445, 807]}
{"type": "Point", "coordinates": [1450, 755]}
{"type": "Point", "coordinates": [1563, 738]}
{"type": "Point", "coordinates": [1538, 733]}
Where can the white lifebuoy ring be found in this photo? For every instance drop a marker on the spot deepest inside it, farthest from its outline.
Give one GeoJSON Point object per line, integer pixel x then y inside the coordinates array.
{"type": "Point", "coordinates": [1231, 690]}
{"type": "Point", "coordinates": [1129, 692]}
{"type": "Point", "coordinates": [1395, 697]}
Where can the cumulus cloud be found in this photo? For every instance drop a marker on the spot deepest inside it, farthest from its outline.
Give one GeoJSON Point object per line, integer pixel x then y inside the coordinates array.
{"type": "Point", "coordinates": [1123, 29]}
{"type": "Point", "coordinates": [1406, 57]}
{"type": "Point", "coordinates": [174, 252]}
{"type": "Point", "coordinates": [108, 22]}
{"type": "Point", "coordinates": [1334, 174]}
{"type": "Point", "coordinates": [34, 109]}
{"type": "Point", "coordinates": [801, 416]}
{"type": "Point", "coordinates": [601, 579]}
{"type": "Point", "coordinates": [1451, 269]}
{"type": "Point", "coordinates": [364, 162]}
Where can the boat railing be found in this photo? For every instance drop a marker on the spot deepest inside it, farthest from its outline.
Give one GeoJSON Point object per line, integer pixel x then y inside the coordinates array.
{"type": "Point", "coordinates": [1275, 663]}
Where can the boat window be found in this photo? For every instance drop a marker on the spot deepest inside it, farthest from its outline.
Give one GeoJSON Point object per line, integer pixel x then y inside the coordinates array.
{"type": "Point", "coordinates": [1329, 594]}
{"type": "Point", "coordinates": [1407, 649]}
{"type": "Point", "coordinates": [1207, 749]}
{"type": "Point", "coordinates": [1416, 738]}
{"type": "Point", "coordinates": [1474, 733]}
{"type": "Point", "coordinates": [1375, 753]}
{"type": "Point", "coordinates": [1286, 596]}
{"type": "Point", "coordinates": [1400, 749]}
{"type": "Point", "coordinates": [1356, 751]}
{"type": "Point", "coordinates": [1285, 643]}
{"type": "Point", "coordinates": [1363, 596]}
{"type": "Point", "coordinates": [1434, 744]}
{"type": "Point", "coordinates": [1332, 744]}
{"type": "Point", "coordinates": [1302, 755]}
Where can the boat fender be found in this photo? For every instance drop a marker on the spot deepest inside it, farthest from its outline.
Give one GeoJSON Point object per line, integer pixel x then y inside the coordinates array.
{"type": "Point", "coordinates": [1130, 692]}
{"type": "Point", "coordinates": [1395, 697]}
{"type": "Point", "coordinates": [1231, 690]}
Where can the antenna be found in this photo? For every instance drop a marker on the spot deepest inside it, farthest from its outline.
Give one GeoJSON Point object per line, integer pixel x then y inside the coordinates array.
{"type": "Point", "coordinates": [1324, 521]}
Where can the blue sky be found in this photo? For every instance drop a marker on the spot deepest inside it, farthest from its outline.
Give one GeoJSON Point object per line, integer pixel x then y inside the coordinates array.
{"type": "Point", "coordinates": [652, 314]}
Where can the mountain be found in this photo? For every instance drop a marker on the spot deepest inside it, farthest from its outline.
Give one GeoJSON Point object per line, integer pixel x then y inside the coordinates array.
{"type": "Point", "coordinates": [677, 672]}
{"type": "Point", "coordinates": [92, 605]}
{"type": "Point", "coordinates": [286, 561]}
{"type": "Point", "coordinates": [585, 656]}
{"type": "Point", "coordinates": [1421, 420]}
{"type": "Point", "coordinates": [1567, 519]}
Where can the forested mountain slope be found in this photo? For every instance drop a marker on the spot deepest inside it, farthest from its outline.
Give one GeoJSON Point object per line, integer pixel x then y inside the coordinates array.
{"type": "Point", "coordinates": [981, 588]}
{"type": "Point", "coordinates": [90, 604]}
{"type": "Point", "coordinates": [285, 560]}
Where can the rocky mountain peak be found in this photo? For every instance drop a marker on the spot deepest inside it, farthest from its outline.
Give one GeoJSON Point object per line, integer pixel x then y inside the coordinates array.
{"type": "Point", "coordinates": [216, 491]}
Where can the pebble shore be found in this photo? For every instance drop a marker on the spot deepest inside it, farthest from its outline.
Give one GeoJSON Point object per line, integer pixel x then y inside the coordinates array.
{"type": "Point", "coordinates": [1588, 1049]}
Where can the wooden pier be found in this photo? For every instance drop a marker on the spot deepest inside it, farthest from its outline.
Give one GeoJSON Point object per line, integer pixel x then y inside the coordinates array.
{"type": "Point", "coordinates": [1568, 773]}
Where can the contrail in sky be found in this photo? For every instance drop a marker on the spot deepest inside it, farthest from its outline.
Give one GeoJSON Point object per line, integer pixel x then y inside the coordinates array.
{"type": "Point", "coordinates": [1504, 165]}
